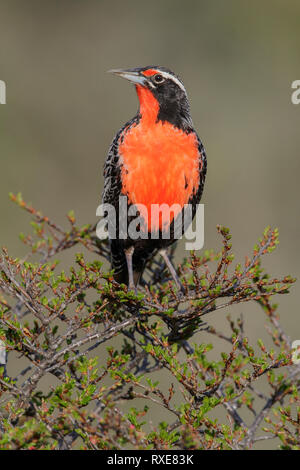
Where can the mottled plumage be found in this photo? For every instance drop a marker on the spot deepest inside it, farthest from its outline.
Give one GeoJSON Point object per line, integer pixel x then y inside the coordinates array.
{"type": "Point", "coordinates": [163, 131]}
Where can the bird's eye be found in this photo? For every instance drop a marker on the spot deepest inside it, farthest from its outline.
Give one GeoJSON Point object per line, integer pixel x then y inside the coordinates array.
{"type": "Point", "coordinates": [158, 78]}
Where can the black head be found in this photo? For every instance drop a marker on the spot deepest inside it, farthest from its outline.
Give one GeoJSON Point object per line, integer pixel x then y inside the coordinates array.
{"type": "Point", "coordinates": [168, 90]}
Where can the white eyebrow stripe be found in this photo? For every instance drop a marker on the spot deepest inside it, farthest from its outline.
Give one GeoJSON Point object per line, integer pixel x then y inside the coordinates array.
{"type": "Point", "coordinates": [175, 80]}
{"type": "Point", "coordinates": [151, 84]}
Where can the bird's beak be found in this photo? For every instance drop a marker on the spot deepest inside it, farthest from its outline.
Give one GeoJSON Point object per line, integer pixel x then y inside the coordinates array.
{"type": "Point", "coordinates": [132, 75]}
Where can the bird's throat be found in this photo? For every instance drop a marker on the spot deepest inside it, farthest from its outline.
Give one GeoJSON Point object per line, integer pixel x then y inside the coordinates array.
{"type": "Point", "coordinates": [149, 106]}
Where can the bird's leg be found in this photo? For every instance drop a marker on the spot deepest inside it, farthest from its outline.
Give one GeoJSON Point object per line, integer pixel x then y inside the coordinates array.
{"type": "Point", "coordinates": [164, 254]}
{"type": "Point", "coordinates": [129, 253]}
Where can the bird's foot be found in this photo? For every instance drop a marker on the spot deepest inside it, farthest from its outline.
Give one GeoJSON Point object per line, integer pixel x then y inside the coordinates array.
{"type": "Point", "coordinates": [133, 289]}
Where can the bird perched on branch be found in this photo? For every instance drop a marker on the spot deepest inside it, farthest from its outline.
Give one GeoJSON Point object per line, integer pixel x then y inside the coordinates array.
{"type": "Point", "coordinates": [156, 158]}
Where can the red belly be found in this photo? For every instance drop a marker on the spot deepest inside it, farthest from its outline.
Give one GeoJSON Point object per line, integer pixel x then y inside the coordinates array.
{"type": "Point", "coordinates": [160, 165]}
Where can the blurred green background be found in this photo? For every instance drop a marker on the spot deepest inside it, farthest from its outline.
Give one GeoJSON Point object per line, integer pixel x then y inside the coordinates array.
{"type": "Point", "coordinates": [237, 59]}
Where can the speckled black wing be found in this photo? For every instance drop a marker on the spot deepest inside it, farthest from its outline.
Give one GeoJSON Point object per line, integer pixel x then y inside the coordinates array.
{"type": "Point", "coordinates": [112, 166]}
{"type": "Point", "coordinates": [196, 198]}
{"type": "Point", "coordinates": [111, 193]}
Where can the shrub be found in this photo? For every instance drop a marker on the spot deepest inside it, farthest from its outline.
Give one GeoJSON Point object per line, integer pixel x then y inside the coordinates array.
{"type": "Point", "coordinates": [64, 397]}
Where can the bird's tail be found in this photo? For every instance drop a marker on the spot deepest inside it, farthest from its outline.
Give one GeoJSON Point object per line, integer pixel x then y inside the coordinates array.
{"type": "Point", "coordinates": [122, 276]}
{"type": "Point", "coordinates": [119, 263]}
